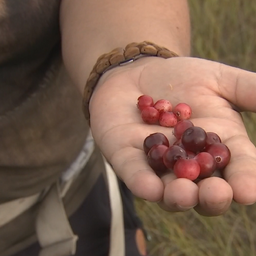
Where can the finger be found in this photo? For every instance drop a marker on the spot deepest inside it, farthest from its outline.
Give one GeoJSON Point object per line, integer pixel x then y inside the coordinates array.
{"type": "Point", "coordinates": [123, 148]}
{"type": "Point", "coordinates": [215, 196]}
{"type": "Point", "coordinates": [179, 194]}
{"type": "Point", "coordinates": [131, 166]}
{"type": "Point", "coordinates": [241, 171]}
{"type": "Point", "coordinates": [238, 86]}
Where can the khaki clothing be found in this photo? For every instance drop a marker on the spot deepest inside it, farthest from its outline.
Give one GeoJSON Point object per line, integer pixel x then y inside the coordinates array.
{"type": "Point", "coordinates": [42, 127]}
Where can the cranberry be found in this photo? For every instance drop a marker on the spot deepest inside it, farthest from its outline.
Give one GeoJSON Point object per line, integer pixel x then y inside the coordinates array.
{"type": "Point", "coordinates": [150, 115]}
{"type": "Point", "coordinates": [212, 138]}
{"type": "Point", "coordinates": [167, 119]}
{"type": "Point", "coordinates": [190, 154]}
{"type": "Point", "coordinates": [182, 111]}
{"type": "Point", "coordinates": [154, 139]}
{"type": "Point", "coordinates": [155, 159]}
{"type": "Point", "coordinates": [181, 127]}
{"type": "Point", "coordinates": [179, 143]}
{"type": "Point", "coordinates": [207, 164]}
{"type": "Point", "coordinates": [187, 168]}
{"type": "Point", "coordinates": [163, 105]}
{"type": "Point", "coordinates": [193, 139]}
{"type": "Point", "coordinates": [172, 154]}
{"type": "Point", "coordinates": [220, 153]}
{"type": "Point", "coordinates": [145, 101]}
{"type": "Point", "coordinates": [196, 154]}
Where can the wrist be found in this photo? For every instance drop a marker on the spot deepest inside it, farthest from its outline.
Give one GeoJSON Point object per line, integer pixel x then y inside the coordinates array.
{"type": "Point", "coordinates": [120, 57]}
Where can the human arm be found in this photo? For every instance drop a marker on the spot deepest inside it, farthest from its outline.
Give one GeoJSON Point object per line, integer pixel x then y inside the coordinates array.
{"type": "Point", "coordinates": [92, 28]}
{"type": "Point", "coordinates": [116, 124]}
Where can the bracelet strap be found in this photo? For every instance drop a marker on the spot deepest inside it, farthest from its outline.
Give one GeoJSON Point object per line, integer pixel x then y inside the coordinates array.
{"type": "Point", "coordinates": [119, 57]}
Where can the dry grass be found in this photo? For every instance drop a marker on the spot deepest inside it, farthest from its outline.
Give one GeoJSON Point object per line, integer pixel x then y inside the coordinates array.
{"type": "Point", "coordinates": [183, 234]}
{"type": "Point", "coordinates": [224, 31]}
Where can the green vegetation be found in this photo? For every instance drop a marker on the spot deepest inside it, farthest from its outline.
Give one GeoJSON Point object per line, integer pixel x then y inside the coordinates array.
{"type": "Point", "coordinates": [224, 31]}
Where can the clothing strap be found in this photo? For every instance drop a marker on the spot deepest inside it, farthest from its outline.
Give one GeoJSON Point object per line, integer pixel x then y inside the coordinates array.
{"type": "Point", "coordinates": [53, 229]}
{"type": "Point", "coordinates": [10, 210]}
{"type": "Point", "coordinates": [117, 239]}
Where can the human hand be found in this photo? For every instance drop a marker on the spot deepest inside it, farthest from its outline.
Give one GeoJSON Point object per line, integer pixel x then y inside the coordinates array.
{"type": "Point", "coordinates": [212, 90]}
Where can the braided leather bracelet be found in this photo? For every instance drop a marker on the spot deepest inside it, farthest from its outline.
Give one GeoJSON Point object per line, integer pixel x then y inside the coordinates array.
{"type": "Point", "coordinates": [119, 57]}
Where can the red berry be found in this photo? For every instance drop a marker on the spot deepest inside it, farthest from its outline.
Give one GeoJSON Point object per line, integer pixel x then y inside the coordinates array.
{"type": "Point", "coordinates": [190, 154]}
{"type": "Point", "coordinates": [155, 159]}
{"type": "Point", "coordinates": [172, 154]}
{"type": "Point", "coordinates": [220, 153]}
{"type": "Point", "coordinates": [207, 164]}
{"type": "Point", "coordinates": [154, 139]}
{"type": "Point", "coordinates": [163, 105]}
{"type": "Point", "coordinates": [187, 168]}
{"type": "Point", "coordinates": [178, 143]}
{"type": "Point", "coordinates": [145, 101]}
{"type": "Point", "coordinates": [182, 111]}
{"type": "Point", "coordinates": [193, 139]}
{"type": "Point", "coordinates": [181, 127]}
{"type": "Point", "coordinates": [212, 138]}
{"type": "Point", "coordinates": [150, 115]}
{"type": "Point", "coordinates": [167, 119]}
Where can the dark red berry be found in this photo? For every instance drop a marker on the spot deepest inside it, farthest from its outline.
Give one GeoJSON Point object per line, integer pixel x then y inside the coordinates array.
{"type": "Point", "coordinates": [190, 154]}
{"type": "Point", "coordinates": [212, 138]}
{"type": "Point", "coordinates": [179, 143]}
{"type": "Point", "coordinates": [207, 164]}
{"type": "Point", "coordinates": [172, 154]}
{"type": "Point", "coordinates": [154, 139]}
{"type": "Point", "coordinates": [155, 159]}
{"type": "Point", "coordinates": [220, 153]}
{"type": "Point", "coordinates": [193, 139]}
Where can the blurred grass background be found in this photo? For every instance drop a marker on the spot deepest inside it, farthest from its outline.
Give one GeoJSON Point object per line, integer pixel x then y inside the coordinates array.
{"type": "Point", "coordinates": [224, 31]}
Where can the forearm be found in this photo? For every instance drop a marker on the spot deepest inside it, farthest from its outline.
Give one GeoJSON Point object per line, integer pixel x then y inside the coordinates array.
{"type": "Point", "coordinates": [91, 28]}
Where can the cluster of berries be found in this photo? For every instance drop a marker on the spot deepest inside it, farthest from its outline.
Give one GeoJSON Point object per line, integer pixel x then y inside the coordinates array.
{"type": "Point", "coordinates": [162, 111]}
{"type": "Point", "coordinates": [196, 154]}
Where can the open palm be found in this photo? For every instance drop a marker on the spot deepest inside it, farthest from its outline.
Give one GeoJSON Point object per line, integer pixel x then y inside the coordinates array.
{"type": "Point", "coordinates": [215, 93]}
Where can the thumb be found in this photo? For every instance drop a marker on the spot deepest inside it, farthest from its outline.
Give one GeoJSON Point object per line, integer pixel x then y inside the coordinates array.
{"type": "Point", "coordinates": [238, 86]}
